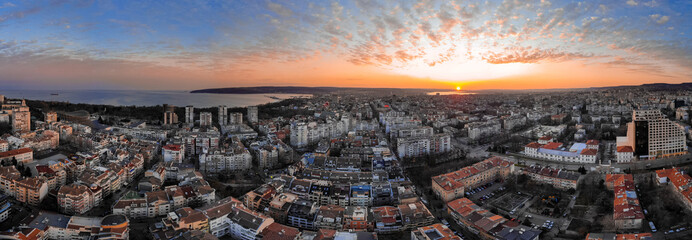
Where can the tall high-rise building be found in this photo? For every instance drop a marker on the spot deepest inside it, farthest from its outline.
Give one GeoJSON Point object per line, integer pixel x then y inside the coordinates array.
{"type": "Point", "coordinates": [18, 114]}
{"type": "Point", "coordinates": [189, 114]}
{"type": "Point", "coordinates": [299, 135]}
{"type": "Point", "coordinates": [223, 115]}
{"type": "Point", "coordinates": [235, 118]}
{"type": "Point", "coordinates": [252, 114]}
{"type": "Point", "coordinates": [51, 117]}
{"type": "Point", "coordinates": [169, 116]}
{"type": "Point", "coordinates": [205, 119]}
{"type": "Point", "coordinates": [653, 135]}
{"type": "Point", "coordinates": [21, 120]}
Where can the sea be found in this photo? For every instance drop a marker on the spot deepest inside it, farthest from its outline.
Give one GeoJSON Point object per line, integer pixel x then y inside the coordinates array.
{"type": "Point", "coordinates": [148, 98]}
{"type": "Point", "coordinates": [451, 93]}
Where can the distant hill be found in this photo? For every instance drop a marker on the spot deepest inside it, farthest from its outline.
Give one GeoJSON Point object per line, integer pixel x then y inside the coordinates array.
{"type": "Point", "coordinates": [300, 90]}
{"type": "Point", "coordinates": [655, 86]}
{"type": "Point", "coordinates": [322, 90]}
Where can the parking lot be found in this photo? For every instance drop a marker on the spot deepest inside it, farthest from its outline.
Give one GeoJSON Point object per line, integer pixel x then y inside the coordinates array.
{"type": "Point", "coordinates": [484, 193]}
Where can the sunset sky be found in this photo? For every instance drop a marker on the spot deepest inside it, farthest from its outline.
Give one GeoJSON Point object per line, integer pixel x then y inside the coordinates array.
{"type": "Point", "coordinates": [513, 44]}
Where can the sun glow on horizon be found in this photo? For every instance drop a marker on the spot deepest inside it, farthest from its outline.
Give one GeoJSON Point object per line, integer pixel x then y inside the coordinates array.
{"type": "Point", "coordinates": [465, 70]}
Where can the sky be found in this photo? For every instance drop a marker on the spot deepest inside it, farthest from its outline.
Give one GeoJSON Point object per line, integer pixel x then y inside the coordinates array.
{"type": "Point", "coordinates": [194, 44]}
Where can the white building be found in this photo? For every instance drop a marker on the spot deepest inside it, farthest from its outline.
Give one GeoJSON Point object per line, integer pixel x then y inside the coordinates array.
{"type": "Point", "coordinates": [235, 118]}
{"type": "Point", "coordinates": [554, 151]}
{"type": "Point", "coordinates": [624, 154]}
{"type": "Point", "coordinates": [235, 158]}
{"type": "Point", "coordinates": [223, 115]}
{"type": "Point", "coordinates": [252, 115]}
{"type": "Point", "coordinates": [478, 130]}
{"type": "Point", "coordinates": [246, 225]}
{"type": "Point", "coordinates": [189, 114]}
{"type": "Point", "coordinates": [173, 152]}
{"type": "Point", "coordinates": [205, 119]}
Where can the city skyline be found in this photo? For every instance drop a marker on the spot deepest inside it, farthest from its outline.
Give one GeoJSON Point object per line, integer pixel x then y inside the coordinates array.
{"type": "Point", "coordinates": [430, 44]}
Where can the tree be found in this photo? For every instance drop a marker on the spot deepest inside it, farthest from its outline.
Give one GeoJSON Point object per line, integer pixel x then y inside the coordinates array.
{"type": "Point", "coordinates": [522, 179]}
{"type": "Point", "coordinates": [600, 184]}
{"type": "Point", "coordinates": [582, 170]}
{"type": "Point", "coordinates": [571, 191]}
{"type": "Point", "coordinates": [14, 161]}
{"type": "Point", "coordinates": [27, 172]}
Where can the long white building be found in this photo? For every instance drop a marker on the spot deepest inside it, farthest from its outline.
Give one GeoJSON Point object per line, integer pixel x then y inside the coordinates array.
{"type": "Point", "coordinates": [555, 151]}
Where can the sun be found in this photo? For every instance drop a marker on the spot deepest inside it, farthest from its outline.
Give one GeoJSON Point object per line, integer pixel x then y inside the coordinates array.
{"type": "Point", "coordinates": [458, 88]}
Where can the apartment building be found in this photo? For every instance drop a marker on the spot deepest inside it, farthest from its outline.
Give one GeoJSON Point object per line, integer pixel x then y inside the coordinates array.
{"type": "Point", "coordinates": [679, 181]}
{"type": "Point", "coordinates": [247, 225]}
{"type": "Point", "coordinates": [22, 155]}
{"type": "Point", "coordinates": [169, 115]}
{"type": "Point", "coordinates": [4, 146]}
{"type": "Point", "coordinates": [75, 199]}
{"type": "Point", "coordinates": [173, 153]}
{"type": "Point", "coordinates": [205, 119]}
{"type": "Point", "coordinates": [233, 159]}
{"type": "Point", "coordinates": [223, 115]}
{"type": "Point", "coordinates": [189, 114]}
{"type": "Point", "coordinates": [252, 114]}
{"type": "Point", "coordinates": [652, 135]}
{"type": "Point", "coordinates": [31, 190]}
{"type": "Point", "coordinates": [477, 130]}
{"type": "Point", "coordinates": [452, 185]}
{"type": "Point", "coordinates": [50, 117]}
{"type": "Point", "coordinates": [425, 145]}
{"type": "Point", "coordinates": [8, 176]}
{"type": "Point", "coordinates": [558, 178]}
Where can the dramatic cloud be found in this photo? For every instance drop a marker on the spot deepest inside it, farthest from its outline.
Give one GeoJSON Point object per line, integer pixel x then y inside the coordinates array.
{"type": "Point", "coordinates": [529, 55]}
{"type": "Point", "coordinates": [232, 42]}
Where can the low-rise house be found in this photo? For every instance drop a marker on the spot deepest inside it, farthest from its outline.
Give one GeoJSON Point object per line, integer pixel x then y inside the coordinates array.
{"type": "Point", "coordinates": [329, 217]}
{"type": "Point", "coordinates": [627, 212]}
{"type": "Point", "coordinates": [415, 215]}
{"type": "Point", "coordinates": [358, 218]}
{"type": "Point", "coordinates": [434, 232]}
{"type": "Point", "coordinates": [387, 219]}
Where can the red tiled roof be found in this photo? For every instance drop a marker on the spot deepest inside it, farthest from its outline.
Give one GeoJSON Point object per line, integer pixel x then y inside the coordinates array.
{"type": "Point", "coordinates": [589, 151]}
{"type": "Point", "coordinates": [15, 152]}
{"type": "Point", "coordinates": [534, 145]}
{"type": "Point", "coordinates": [172, 147]}
{"type": "Point", "coordinates": [44, 169]}
{"type": "Point", "coordinates": [545, 138]}
{"type": "Point", "coordinates": [552, 145]}
{"type": "Point", "coordinates": [625, 149]}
